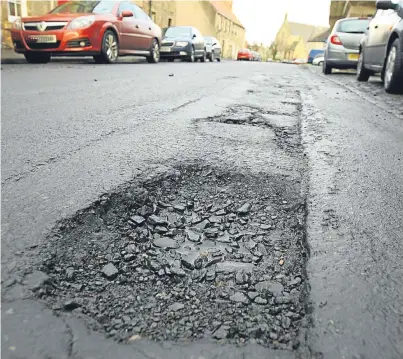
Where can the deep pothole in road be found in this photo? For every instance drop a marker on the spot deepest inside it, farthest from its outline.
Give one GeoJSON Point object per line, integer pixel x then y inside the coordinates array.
{"type": "Point", "coordinates": [283, 123]}
{"type": "Point", "coordinates": [198, 253]}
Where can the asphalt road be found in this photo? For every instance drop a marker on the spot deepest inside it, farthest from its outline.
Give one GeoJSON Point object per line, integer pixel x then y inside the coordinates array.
{"type": "Point", "coordinates": [74, 131]}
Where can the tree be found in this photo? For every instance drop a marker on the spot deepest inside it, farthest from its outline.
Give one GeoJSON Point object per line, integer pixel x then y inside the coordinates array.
{"type": "Point", "coordinates": [274, 50]}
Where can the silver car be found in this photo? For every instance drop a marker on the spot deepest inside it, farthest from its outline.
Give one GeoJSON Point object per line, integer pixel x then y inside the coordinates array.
{"type": "Point", "coordinates": [213, 48]}
{"type": "Point", "coordinates": [342, 47]}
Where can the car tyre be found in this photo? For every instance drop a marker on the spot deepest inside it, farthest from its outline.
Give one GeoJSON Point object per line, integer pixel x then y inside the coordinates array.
{"type": "Point", "coordinates": [192, 55]}
{"type": "Point", "coordinates": [320, 63]}
{"type": "Point", "coordinates": [219, 58]}
{"type": "Point", "coordinates": [393, 77]}
{"type": "Point", "coordinates": [37, 57]}
{"type": "Point", "coordinates": [154, 57]}
{"type": "Point", "coordinates": [171, 60]}
{"type": "Point", "coordinates": [110, 49]}
{"type": "Point", "coordinates": [212, 58]}
{"type": "Point", "coordinates": [327, 70]}
{"type": "Point", "coordinates": [363, 74]}
{"type": "Point", "coordinates": [203, 58]}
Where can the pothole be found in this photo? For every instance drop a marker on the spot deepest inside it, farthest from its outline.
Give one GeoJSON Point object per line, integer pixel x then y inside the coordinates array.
{"type": "Point", "coordinates": [200, 253]}
{"type": "Point", "coordinates": [284, 124]}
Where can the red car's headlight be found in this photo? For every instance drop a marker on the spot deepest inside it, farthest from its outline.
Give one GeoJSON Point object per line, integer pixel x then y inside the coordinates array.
{"type": "Point", "coordinates": [81, 22]}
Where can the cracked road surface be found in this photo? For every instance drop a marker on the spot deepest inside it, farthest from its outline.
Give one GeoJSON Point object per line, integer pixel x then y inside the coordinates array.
{"type": "Point", "coordinates": [232, 210]}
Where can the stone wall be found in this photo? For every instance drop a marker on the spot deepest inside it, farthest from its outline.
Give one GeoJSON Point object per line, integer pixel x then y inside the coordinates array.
{"type": "Point", "coordinates": [162, 12]}
{"type": "Point", "coordinates": [35, 8]}
{"type": "Point", "coordinates": [5, 27]}
{"type": "Point", "coordinates": [230, 35]}
{"type": "Point", "coordinates": [200, 14]}
{"type": "Point", "coordinates": [340, 9]}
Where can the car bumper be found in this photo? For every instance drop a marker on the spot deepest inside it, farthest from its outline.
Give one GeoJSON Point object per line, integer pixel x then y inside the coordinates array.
{"type": "Point", "coordinates": [82, 42]}
{"type": "Point", "coordinates": [176, 52]}
{"type": "Point", "coordinates": [342, 58]}
{"type": "Point", "coordinates": [244, 57]}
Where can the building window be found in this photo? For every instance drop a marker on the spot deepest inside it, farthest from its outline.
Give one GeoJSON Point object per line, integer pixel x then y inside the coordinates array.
{"type": "Point", "coordinates": [16, 9]}
{"type": "Point", "coordinates": [154, 16]}
{"type": "Point", "coordinates": [169, 22]}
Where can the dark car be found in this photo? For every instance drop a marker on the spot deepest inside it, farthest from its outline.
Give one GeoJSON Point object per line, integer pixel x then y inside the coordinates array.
{"type": "Point", "coordinates": [183, 42]}
{"type": "Point", "coordinates": [381, 49]}
{"type": "Point", "coordinates": [213, 48]}
{"type": "Point", "coordinates": [102, 29]}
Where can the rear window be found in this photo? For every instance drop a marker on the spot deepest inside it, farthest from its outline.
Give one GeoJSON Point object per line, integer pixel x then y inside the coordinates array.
{"type": "Point", "coordinates": [353, 26]}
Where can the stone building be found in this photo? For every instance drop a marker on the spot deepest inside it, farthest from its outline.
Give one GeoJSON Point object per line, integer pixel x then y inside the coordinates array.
{"type": "Point", "coordinates": [163, 13]}
{"type": "Point", "coordinates": [229, 30]}
{"type": "Point", "coordinates": [200, 14]}
{"type": "Point", "coordinates": [317, 41]}
{"type": "Point", "coordinates": [293, 39]}
{"type": "Point", "coordinates": [340, 9]}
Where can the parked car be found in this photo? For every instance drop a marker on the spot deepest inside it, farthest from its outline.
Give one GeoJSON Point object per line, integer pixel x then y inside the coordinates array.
{"type": "Point", "coordinates": [342, 48]}
{"type": "Point", "coordinates": [313, 54]}
{"type": "Point", "coordinates": [256, 56]}
{"type": "Point", "coordinates": [213, 48]}
{"type": "Point", "coordinates": [102, 29]}
{"type": "Point", "coordinates": [183, 42]}
{"type": "Point", "coordinates": [245, 55]}
{"type": "Point", "coordinates": [381, 49]}
{"type": "Point", "coordinates": [318, 60]}
{"type": "Point", "coordinates": [299, 61]}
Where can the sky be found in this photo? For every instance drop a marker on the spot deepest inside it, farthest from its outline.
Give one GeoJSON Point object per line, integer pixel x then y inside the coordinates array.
{"type": "Point", "coordinates": [263, 18]}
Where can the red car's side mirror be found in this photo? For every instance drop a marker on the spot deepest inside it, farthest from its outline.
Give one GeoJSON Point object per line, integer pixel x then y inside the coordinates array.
{"type": "Point", "coordinates": [127, 13]}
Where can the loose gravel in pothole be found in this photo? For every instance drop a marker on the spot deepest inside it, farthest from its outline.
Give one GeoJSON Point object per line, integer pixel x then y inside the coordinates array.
{"type": "Point", "coordinates": [284, 123]}
{"type": "Point", "coordinates": [196, 254]}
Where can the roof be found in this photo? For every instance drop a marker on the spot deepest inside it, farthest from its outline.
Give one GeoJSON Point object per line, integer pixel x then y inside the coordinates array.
{"type": "Point", "coordinates": [322, 37]}
{"type": "Point", "coordinates": [305, 31]}
{"type": "Point", "coordinates": [224, 10]}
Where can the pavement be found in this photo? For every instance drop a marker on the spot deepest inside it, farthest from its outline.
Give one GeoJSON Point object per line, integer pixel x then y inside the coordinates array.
{"type": "Point", "coordinates": [75, 131]}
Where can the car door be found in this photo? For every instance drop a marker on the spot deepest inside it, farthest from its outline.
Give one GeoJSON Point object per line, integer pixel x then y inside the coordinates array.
{"type": "Point", "coordinates": [389, 19]}
{"type": "Point", "coordinates": [126, 26]}
{"type": "Point", "coordinates": [145, 28]}
{"type": "Point", "coordinates": [198, 41]}
{"type": "Point", "coordinates": [378, 35]}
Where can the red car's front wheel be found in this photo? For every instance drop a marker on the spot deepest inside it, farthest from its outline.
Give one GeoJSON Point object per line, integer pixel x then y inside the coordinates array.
{"type": "Point", "coordinates": [110, 49]}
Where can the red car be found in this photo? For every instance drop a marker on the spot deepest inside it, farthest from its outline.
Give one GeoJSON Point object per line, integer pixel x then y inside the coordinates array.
{"type": "Point", "coordinates": [102, 29]}
{"type": "Point", "coordinates": [245, 54]}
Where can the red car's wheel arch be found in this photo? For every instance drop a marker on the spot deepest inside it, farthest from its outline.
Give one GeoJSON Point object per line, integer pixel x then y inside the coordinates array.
{"type": "Point", "coordinates": [109, 26]}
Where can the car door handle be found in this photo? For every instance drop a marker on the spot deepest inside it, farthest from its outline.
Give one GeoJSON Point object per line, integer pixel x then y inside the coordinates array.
{"type": "Point", "coordinates": [137, 26]}
{"type": "Point", "coordinates": [149, 28]}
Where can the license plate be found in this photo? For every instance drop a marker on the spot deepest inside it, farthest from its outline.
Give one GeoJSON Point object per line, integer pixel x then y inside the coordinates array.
{"type": "Point", "coordinates": [165, 49]}
{"type": "Point", "coordinates": [353, 57]}
{"type": "Point", "coordinates": [43, 39]}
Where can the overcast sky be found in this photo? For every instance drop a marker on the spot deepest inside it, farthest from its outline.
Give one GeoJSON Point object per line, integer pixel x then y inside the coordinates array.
{"type": "Point", "coordinates": [263, 18]}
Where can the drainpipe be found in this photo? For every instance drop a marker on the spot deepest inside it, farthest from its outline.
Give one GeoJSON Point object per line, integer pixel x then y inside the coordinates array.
{"type": "Point", "coordinates": [150, 13]}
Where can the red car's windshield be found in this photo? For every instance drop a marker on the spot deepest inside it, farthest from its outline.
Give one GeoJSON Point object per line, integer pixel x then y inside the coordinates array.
{"type": "Point", "coordinates": [85, 7]}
